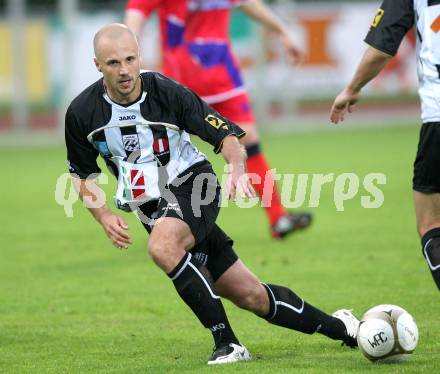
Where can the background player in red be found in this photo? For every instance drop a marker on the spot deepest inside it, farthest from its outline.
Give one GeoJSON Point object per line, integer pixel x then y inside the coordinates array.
{"type": "Point", "coordinates": [197, 52]}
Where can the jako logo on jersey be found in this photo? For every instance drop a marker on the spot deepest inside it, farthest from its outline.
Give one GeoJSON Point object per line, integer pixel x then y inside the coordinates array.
{"type": "Point", "coordinates": [216, 122]}
{"type": "Point", "coordinates": [131, 142]}
{"type": "Point", "coordinates": [378, 17]}
{"type": "Point", "coordinates": [160, 145]}
{"type": "Point", "coordinates": [126, 118]}
{"type": "Point", "coordinates": [137, 183]}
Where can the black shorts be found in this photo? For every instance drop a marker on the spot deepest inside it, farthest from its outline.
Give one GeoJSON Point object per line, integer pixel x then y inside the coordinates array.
{"type": "Point", "coordinates": [189, 202]}
{"type": "Point", "coordinates": [427, 163]}
{"type": "Point", "coordinates": [215, 252]}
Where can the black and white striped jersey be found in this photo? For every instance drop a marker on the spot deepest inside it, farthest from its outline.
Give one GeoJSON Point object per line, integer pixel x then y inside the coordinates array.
{"type": "Point", "coordinates": [143, 142]}
{"type": "Point", "coordinates": [392, 21]}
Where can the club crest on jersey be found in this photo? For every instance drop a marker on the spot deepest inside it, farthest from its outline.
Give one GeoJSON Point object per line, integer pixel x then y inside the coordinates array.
{"type": "Point", "coordinates": [216, 122]}
{"type": "Point", "coordinates": [127, 118]}
{"type": "Point", "coordinates": [131, 142]}
{"type": "Point", "coordinates": [377, 17]}
{"type": "Point", "coordinates": [161, 145]}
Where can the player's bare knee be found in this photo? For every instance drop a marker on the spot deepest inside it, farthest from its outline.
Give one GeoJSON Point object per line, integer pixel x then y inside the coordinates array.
{"type": "Point", "coordinates": [155, 250]}
{"type": "Point", "coordinates": [164, 256]}
{"type": "Point", "coordinates": [167, 250]}
{"type": "Point", "coordinates": [159, 247]}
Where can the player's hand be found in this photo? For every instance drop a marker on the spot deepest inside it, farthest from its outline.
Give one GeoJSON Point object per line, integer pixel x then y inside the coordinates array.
{"type": "Point", "coordinates": [294, 55]}
{"type": "Point", "coordinates": [238, 183]}
{"type": "Point", "coordinates": [343, 103]}
{"type": "Point", "coordinates": [116, 229]}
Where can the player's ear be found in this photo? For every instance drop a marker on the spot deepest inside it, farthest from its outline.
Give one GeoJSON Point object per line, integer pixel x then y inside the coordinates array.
{"type": "Point", "coordinates": [98, 67]}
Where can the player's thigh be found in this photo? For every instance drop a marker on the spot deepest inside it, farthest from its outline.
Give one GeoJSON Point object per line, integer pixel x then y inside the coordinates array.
{"type": "Point", "coordinates": [172, 231]}
{"type": "Point", "coordinates": [427, 206]}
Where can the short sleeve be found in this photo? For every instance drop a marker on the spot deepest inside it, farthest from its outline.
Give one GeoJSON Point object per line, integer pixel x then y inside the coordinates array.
{"type": "Point", "coordinates": [197, 117]}
{"type": "Point", "coordinates": [81, 156]}
{"type": "Point", "coordinates": [146, 7]}
{"type": "Point", "coordinates": [393, 20]}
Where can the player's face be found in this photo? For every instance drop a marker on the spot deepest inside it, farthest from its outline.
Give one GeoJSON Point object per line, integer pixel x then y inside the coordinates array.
{"type": "Point", "coordinates": [119, 63]}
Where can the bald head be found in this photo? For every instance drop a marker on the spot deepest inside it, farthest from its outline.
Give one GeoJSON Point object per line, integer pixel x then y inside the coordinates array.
{"type": "Point", "coordinates": [117, 58]}
{"type": "Point", "coordinates": [112, 34]}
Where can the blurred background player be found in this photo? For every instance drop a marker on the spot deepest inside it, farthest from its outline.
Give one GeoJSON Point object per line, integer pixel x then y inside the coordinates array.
{"type": "Point", "coordinates": [197, 52]}
{"type": "Point", "coordinates": [392, 21]}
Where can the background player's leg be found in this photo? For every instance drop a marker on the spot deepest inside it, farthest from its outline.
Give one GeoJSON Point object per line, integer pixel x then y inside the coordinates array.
{"type": "Point", "coordinates": [281, 221]}
{"type": "Point", "coordinates": [257, 164]}
{"type": "Point", "coordinates": [238, 109]}
{"type": "Point", "coordinates": [428, 225]}
{"type": "Point", "coordinates": [279, 305]}
{"type": "Point", "coordinates": [168, 244]}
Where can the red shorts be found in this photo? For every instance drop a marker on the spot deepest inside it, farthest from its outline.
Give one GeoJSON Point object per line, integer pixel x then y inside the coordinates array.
{"type": "Point", "coordinates": [237, 109]}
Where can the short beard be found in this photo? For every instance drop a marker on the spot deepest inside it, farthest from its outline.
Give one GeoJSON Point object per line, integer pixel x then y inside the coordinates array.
{"type": "Point", "coordinates": [124, 94]}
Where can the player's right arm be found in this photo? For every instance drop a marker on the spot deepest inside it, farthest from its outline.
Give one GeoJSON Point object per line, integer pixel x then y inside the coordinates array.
{"type": "Point", "coordinates": [83, 168]}
{"type": "Point", "coordinates": [392, 21]}
{"type": "Point", "coordinates": [135, 21]}
{"type": "Point", "coordinates": [370, 66]}
{"type": "Point", "coordinates": [93, 197]}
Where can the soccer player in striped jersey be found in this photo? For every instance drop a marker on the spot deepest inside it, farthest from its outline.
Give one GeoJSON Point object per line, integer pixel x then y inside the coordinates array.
{"type": "Point", "coordinates": [139, 123]}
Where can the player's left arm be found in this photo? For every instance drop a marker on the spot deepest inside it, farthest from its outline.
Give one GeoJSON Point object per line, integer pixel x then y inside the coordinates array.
{"type": "Point", "coordinates": [238, 181]}
{"type": "Point", "coordinates": [198, 118]}
{"type": "Point", "coordinates": [261, 13]}
{"type": "Point", "coordinates": [392, 21]}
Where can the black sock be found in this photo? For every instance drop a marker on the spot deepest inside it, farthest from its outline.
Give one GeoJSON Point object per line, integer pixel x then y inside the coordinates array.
{"type": "Point", "coordinates": [194, 285]}
{"type": "Point", "coordinates": [290, 311]}
{"type": "Point", "coordinates": [431, 251]}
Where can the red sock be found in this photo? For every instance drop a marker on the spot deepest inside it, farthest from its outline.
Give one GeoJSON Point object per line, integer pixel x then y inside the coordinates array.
{"type": "Point", "coordinates": [270, 199]}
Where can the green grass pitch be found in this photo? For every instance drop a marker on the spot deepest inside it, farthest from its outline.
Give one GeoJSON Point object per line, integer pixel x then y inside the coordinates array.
{"type": "Point", "coordinates": [71, 303]}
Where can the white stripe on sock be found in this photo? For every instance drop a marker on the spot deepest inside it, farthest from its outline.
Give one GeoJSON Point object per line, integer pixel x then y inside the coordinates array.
{"type": "Point", "coordinates": [214, 296]}
{"type": "Point", "coordinates": [183, 267]}
{"type": "Point", "coordinates": [431, 266]}
{"type": "Point", "coordinates": [274, 301]}
{"type": "Point", "coordinates": [300, 310]}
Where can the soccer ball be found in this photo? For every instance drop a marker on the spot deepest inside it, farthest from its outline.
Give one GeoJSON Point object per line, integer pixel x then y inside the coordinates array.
{"type": "Point", "coordinates": [387, 333]}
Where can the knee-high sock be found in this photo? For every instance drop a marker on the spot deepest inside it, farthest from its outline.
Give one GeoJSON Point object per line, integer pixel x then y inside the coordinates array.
{"type": "Point", "coordinates": [288, 310]}
{"type": "Point", "coordinates": [431, 251]}
{"type": "Point", "coordinates": [256, 163]}
{"type": "Point", "coordinates": [194, 285]}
